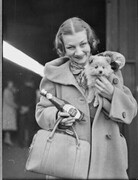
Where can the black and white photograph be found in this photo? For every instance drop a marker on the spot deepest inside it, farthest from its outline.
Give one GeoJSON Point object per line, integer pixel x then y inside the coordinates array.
{"type": "Point", "coordinates": [69, 89]}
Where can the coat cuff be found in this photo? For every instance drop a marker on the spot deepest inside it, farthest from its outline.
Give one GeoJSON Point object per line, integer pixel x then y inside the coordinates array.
{"type": "Point", "coordinates": [122, 108]}
{"type": "Point", "coordinates": [47, 118]}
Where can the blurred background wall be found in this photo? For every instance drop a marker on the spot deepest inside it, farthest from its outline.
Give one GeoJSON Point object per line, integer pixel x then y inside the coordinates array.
{"type": "Point", "coordinates": [31, 25]}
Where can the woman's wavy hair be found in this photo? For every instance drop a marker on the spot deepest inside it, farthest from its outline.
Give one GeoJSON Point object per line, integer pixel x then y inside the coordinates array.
{"type": "Point", "coordinates": [71, 26]}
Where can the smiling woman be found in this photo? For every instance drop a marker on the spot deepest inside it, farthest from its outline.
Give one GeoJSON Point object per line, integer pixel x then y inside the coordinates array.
{"type": "Point", "coordinates": [85, 37]}
{"type": "Point", "coordinates": [31, 26]}
{"type": "Point", "coordinates": [77, 46]}
{"type": "Point", "coordinates": [75, 43]}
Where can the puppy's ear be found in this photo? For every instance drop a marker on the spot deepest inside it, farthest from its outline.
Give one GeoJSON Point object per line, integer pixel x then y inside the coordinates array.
{"type": "Point", "coordinates": [108, 59]}
{"type": "Point", "coordinates": [90, 60]}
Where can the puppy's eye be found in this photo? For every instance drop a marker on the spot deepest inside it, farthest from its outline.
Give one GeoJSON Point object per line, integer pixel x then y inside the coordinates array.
{"type": "Point", "coordinates": [96, 67]}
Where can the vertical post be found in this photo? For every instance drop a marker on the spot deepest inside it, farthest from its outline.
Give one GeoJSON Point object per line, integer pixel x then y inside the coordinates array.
{"type": "Point", "coordinates": [112, 25]}
{"type": "Point", "coordinates": [1, 91]}
{"type": "Point", "coordinates": [122, 36]}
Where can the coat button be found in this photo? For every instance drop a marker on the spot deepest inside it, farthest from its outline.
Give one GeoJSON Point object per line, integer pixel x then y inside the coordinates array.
{"type": "Point", "coordinates": [115, 81]}
{"type": "Point", "coordinates": [108, 136]}
{"type": "Point", "coordinates": [124, 114]}
{"type": "Point", "coordinates": [81, 99]}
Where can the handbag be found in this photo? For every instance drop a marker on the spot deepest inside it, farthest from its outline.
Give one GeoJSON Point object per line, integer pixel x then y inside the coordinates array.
{"type": "Point", "coordinates": [59, 154]}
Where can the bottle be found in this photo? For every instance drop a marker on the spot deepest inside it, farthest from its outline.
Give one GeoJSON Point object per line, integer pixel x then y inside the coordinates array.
{"type": "Point", "coordinates": [63, 106]}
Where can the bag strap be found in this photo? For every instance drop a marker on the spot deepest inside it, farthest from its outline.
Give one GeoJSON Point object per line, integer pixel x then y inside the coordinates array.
{"type": "Point", "coordinates": [55, 127]}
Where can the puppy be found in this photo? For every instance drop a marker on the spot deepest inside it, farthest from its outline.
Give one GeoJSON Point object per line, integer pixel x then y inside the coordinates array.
{"type": "Point", "coordinates": [96, 66]}
{"type": "Point", "coordinates": [117, 60]}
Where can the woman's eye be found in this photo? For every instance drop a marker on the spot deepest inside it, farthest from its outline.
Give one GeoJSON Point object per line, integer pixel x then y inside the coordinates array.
{"type": "Point", "coordinates": [70, 48]}
{"type": "Point", "coordinates": [83, 44]}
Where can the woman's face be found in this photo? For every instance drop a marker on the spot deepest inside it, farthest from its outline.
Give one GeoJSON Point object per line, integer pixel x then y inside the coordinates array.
{"type": "Point", "coordinates": [77, 47]}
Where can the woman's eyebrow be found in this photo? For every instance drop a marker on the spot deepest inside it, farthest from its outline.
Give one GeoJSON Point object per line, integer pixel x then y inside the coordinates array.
{"type": "Point", "coordinates": [84, 40]}
{"type": "Point", "coordinates": [69, 45]}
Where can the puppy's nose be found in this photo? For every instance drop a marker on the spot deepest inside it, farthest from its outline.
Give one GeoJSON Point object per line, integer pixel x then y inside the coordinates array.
{"type": "Point", "coordinates": [100, 72]}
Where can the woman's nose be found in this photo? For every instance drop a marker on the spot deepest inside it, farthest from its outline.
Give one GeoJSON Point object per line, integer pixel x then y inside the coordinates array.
{"type": "Point", "coordinates": [78, 51]}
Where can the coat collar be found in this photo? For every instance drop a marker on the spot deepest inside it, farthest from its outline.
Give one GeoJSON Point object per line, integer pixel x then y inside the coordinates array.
{"type": "Point", "coordinates": [58, 71]}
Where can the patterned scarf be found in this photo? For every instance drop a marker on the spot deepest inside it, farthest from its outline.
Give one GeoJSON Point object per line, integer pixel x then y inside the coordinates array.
{"type": "Point", "coordinates": [78, 72]}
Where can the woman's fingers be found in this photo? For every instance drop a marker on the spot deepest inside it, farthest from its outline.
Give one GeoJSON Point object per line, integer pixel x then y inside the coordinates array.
{"type": "Point", "coordinates": [67, 120]}
{"type": "Point", "coordinates": [67, 124]}
{"type": "Point", "coordinates": [63, 114]}
{"type": "Point", "coordinates": [102, 82]}
{"type": "Point", "coordinates": [105, 88]}
{"type": "Point", "coordinates": [99, 85]}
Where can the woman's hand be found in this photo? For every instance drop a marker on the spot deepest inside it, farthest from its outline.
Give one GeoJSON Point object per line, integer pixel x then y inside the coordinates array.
{"type": "Point", "coordinates": [67, 119]}
{"type": "Point", "coordinates": [105, 88]}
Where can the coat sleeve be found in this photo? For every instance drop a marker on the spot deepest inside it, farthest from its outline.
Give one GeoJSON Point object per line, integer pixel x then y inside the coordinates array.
{"type": "Point", "coordinates": [123, 107]}
{"type": "Point", "coordinates": [45, 111]}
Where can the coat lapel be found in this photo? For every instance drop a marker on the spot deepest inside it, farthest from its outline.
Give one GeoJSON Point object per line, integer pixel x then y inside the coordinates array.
{"type": "Point", "coordinates": [58, 71]}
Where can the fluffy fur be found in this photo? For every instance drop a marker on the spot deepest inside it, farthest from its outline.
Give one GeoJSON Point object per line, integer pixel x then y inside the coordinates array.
{"type": "Point", "coordinates": [95, 67]}
{"type": "Point", "coordinates": [117, 59]}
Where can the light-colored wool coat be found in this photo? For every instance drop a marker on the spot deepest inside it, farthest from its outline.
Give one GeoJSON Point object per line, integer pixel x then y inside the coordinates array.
{"type": "Point", "coordinates": [108, 146]}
